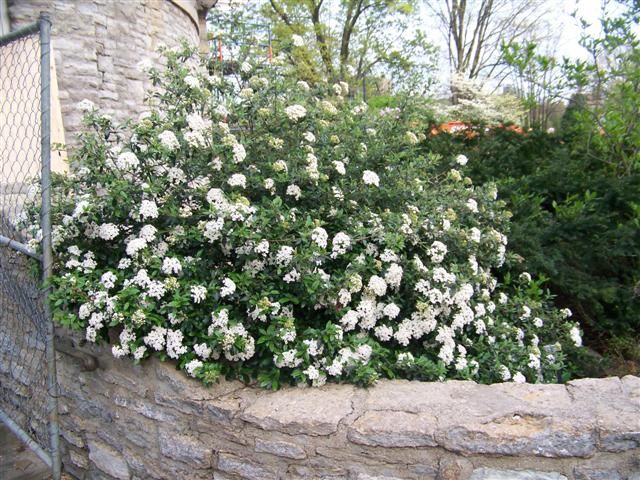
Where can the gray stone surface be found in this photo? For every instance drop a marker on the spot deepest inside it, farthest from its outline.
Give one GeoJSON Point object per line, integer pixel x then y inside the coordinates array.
{"type": "Point", "coordinates": [280, 449]}
{"type": "Point", "coordinates": [301, 411]}
{"type": "Point", "coordinates": [98, 46]}
{"type": "Point", "coordinates": [243, 467]}
{"type": "Point", "coordinates": [596, 474]}
{"type": "Point", "coordinates": [153, 422]}
{"type": "Point", "coordinates": [185, 448]}
{"type": "Point", "coordinates": [108, 460]}
{"type": "Point", "coordinates": [493, 474]}
{"type": "Point", "coordinates": [394, 429]}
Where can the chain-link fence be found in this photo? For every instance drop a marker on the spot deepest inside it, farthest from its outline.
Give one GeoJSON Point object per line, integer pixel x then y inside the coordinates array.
{"type": "Point", "coordinates": [28, 390]}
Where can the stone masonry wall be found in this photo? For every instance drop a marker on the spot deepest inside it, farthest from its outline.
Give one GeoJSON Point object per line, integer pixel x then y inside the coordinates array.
{"type": "Point", "coordinates": [98, 45]}
{"type": "Point", "coordinates": [152, 422]}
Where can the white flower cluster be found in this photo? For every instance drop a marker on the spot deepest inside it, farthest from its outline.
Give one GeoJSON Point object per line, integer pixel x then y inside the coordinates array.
{"type": "Point", "coordinates": [278, 231]}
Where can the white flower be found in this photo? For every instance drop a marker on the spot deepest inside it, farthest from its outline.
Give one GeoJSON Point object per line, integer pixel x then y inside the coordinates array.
{"type": "Point", "coordinates": [504, 372]}
{"type": "Point", "coordinates": [538, 322]}
{"type": "Point", "coordinates": [292, 276]}
{"type": "Point", "coordinates": [391, 310]}
{"type": "Point", "coordinates": [519, 378]}
{"type": "Point", "coordinates": [198, 293]}
{"type": "Point", "coordinates": [437, 251]}
{"type": "Point", "coordinates": [156, 338]}
{"type": "Point", "coordinates": [339, 166]}
{"type": "Point", "coordinates": [297, 40]}
{"type": "Point", "coordinates": [228, 287]}
{"type": "Point", "coordinates": [280, 166]}
{"type": "Point", "coordinates": [411, 138]}
{"type": "Point", "coordinates": [213, 229]}
{"type": "Point", "coordinates": [135, 245]}
{"type": "Point", "coordinates": [262, 248]}
{"type": "Point", "coordinates": [525, 277]}
{"type": "Point", "coordinates": [340, 244]}
{"type": "Point", "coordinates": [108, 231]}
{"type": "Point", "coordinates": [309, 137]}
{"type": "Point", "coordinates": [202, 350]}
{"type": "Point", "coordinates": [156, 289]}
{"type": "Point", "coordinates": [475, 235]}
{"type": "Point", "coordinates": [312, 372]}
{"type": "Point", "coordinates": [192, 366]}
{"type": "Point", "coordinates": [239, 152]}
{"type": "Point", "coordinates": [169, 140]}
{"type": "Point", "coordinates": [284, 255]}
{"type": "Point", "coordinates": [370, 178]}
{"type": "Point", "coordinates": [294, 191]}
{"type": "Point", "coordinates": [148, 209]}
{"type": "Point", "coordinates": [237, 180]}
{"type": "Point", "coordinates": [127, 161]}
{"type": "Point", "coordinates": [295, 112]}
{"type": "Point", "coordinates": [303, 85]}
{"type": "Point", "coordinates": [383, 332]}
{"type": "Point", "coordinates": [139, 352]}
{"type": "Point", "coordinates": [192, 81]}
{"type": "Point", "coordinates": [175, 348]}
{"type": "Point", "coordinates": [566, 313]}
{"type": "Point", "coordinates": [394, 275]}
{"type": "Point", "coordinates": [108, 280]}
{"type": "Point", "coordinates": [574, 333]}
{"type": "Point", "coordinates": [320, 237]}
{"type": "Point", "coordinates": [472, 205]}
{"type": "Point", "coordinates": [86, 105]}
{"type": "Point", "coordinates": [461, 160]}
{"type": "Point", "coordinates": [171, 265]}
{"type": "Point", "coordinates": [246, 67]}
{"type": "Point", "coordinates": [377, 285]}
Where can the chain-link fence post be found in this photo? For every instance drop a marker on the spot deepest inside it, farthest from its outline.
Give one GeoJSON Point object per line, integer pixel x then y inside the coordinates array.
{"type": "Point", "coordinates": [45, 223]}
{"type": "Point", "coordinates": [28, 383]}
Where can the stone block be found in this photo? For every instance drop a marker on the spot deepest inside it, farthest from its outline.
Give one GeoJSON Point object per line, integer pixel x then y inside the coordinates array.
{"type": "Point", "coordinates": [454, 469]}
{"type": "Point", "coordinates": [185, 448]}
{"type": "Point", "coordinates": [492, 474]}
{"type": "Point", "coordinates": [79, 459]}
{"type": "Point", "coordinates": [228, 463]}
{"type": "Point", "coordinates": [294, 411]}
{"type": "Point", "coordinates": [108, 460]}
{"type": "Point", "coordinates": [394, 429]}
{"type": "Point", "coordinates": [552, 436]}
{"type": "Point", "coordinates": [280, 449]}
{"type": "Point", "coordinates": [596, 474]}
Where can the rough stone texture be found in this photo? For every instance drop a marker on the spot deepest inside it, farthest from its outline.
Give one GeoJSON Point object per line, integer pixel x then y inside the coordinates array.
{"type": "Point", "coordinates": [491, 474]}
{"type": "Point", "coordinates": [301, 411]}
{"type": "Point", "coordinates": [280, 449]}
{"type": "Point", "coordinates": [153, 422]}
{"type": "Point", "coordinates": [394, 429]}
{"type": "Point", "coordinates": [591, 474]}
{"type": "Point", "coordinates": [99, 44]}
{"type": "Point", "coordinates": [108, 460]}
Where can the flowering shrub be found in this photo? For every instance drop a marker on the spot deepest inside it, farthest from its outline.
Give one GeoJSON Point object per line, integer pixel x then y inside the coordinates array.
{"type": "Point", "coordinates": [276, 232]}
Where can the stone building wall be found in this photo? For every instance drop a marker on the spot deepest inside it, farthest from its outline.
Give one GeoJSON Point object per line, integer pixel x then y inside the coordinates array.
{"type": "Point", "coordinates": [152, 422]}
{"type": "Point", "coordinates": [99, 44]}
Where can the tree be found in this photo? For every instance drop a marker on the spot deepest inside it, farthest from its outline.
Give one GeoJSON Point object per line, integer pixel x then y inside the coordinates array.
{"type": "Point", "coordinates": [474, 30]}
{"type": "Point", "coordinates": [537, 79]}
{"type": "Point", "coordinates": [352, 40]}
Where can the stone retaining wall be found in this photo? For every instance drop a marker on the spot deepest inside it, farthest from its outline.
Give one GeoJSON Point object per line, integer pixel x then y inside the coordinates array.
{"type": "Point", "coordinates": [150, 422]}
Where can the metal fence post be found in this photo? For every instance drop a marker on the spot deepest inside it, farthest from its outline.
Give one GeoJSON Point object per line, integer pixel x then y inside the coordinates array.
{"type": "Point", "coordinates": [47, 256]}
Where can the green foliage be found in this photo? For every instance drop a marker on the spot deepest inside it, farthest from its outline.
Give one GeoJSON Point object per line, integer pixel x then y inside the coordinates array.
{"type": "Point", "coordinates": [574, 220]}
{"type": "Point", "coordinates": [258, 229]}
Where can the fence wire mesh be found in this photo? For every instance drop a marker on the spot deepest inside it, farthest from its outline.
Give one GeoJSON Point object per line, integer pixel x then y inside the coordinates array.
{"type": "Point", "coordinates": [23, 321]}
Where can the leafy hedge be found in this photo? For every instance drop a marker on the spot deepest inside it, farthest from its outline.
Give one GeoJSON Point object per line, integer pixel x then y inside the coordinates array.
{"type": "Point", "coordinates": [260, 229]}
{"type": "Point", "coordinates": [575, 219]}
